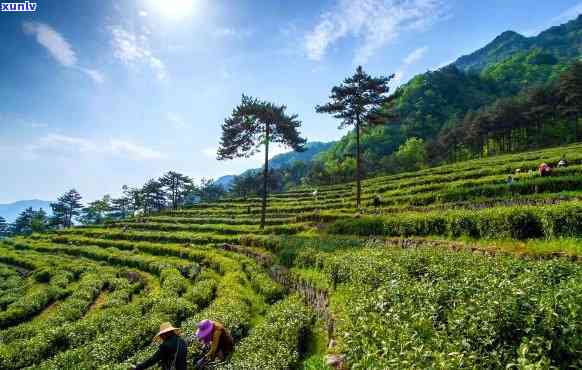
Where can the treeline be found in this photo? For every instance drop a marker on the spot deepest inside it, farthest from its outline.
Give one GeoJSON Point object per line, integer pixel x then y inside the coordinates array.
{"type": "Point", "coordinates": [434, 131]}
{"type": "Point", "coordinates": [173, 190]}
{"type": "Point", "coordinates": [537, 117]}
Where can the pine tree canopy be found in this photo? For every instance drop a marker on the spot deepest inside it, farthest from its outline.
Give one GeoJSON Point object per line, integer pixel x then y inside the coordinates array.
{"type": "Point", "coordinates": [246, 129]}
{"type": "Point", "coordinates": [359, 99]}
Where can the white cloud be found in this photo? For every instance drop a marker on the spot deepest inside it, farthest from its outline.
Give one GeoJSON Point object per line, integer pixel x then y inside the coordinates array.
{"type": "Point", "coordinates": [233, 32]}
{"type": "Point", "coordinates": [209, 152]}
{"type": "Point", "coordinates": [568, 14]}
{"type": "Point", "coordinates": [133, 49]}
{"type": "Point", "coordinates": [373, 22]}
{"type": "Point", "coordinates": [134, 151]}
{"type": "Point", "coordinates": [94, 74]}
{"type": "Point", "coordinates": [143, 13]}
{"type": "Point", "coordinates": [565, 16]}
{"type": "Point", "coordinates": [57, 142]}
{"type": "Point", "coordinates": [158, 67]}
{"type": "Point", "coordinates": [415, 55]}
{"type": "Point", "coordinates": [176, 120]}
{"type": "Point", "coordinates": [71, 146]}
{"type": "Point", "coordinates": [58, 47]}
{"type": "Point", "coordinates": [54, 42]}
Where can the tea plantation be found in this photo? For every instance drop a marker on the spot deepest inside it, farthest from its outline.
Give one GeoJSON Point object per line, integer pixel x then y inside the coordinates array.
{"type": "Point", "coordinates": [449, 267]}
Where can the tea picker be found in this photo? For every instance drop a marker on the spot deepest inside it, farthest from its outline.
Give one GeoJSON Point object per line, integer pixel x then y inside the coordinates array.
{"type": "Point", "coordinates": [216, 336]}
{"type": "Point", "coordinates": [172, 353]}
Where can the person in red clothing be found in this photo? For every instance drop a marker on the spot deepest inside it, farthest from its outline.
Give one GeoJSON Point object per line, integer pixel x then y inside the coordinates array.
{"type": "Point", "coordinates": [215, 335]}
{"type": "Point", "coordinates": [544, 170]}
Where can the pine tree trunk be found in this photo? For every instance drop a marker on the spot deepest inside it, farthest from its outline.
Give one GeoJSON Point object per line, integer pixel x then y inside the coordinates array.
{"type": "Point", "coordinates": [358, 165]}
{"type": "Point", "coordinates": [265, 177]}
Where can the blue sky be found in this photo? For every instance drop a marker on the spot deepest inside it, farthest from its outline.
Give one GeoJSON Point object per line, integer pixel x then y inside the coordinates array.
{"type": "Point", "coordinates": [97, 94]}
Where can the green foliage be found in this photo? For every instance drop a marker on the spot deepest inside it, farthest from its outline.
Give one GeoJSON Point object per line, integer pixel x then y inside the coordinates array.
{"type": "Point", "coordinates": [29, 221]}
{"type": "Point", "coordinates": [514, 222]}
{"type": "Point", "coordinates": [276, 342]}
{"type": "Point", "coordinates": [431, 308]}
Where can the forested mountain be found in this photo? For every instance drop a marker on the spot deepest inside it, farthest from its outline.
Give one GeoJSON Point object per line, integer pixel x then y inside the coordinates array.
{"type": "Point", "coordinates": [562, 42]}
{"type": "Point", "coordinates": [311, 150]}
{"type": "Point", "coordinates": [280, 161]}
{"type": "Point", "coordinates": [433, 103]}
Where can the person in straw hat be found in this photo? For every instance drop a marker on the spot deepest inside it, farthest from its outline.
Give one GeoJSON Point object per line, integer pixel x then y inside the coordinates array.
{"type": "Point", "coordinates": [172, 353]}
{"type": "Point", "coordinates": [215, 335]}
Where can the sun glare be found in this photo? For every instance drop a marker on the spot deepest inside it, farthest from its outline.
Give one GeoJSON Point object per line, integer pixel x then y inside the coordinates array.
{"type": "Point", "coordinates": [173, 9]}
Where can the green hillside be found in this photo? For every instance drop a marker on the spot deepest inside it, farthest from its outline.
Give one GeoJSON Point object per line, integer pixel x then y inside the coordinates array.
{"type": "Point", "coordinates": [389, 284]}
{"type": "Point", "coordinates": [432, 104]}
{"type": "Point", "coordinates": [563, 42]}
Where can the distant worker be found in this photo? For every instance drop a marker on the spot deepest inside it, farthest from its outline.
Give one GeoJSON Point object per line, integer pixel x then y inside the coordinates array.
{"type": "Point", "coordinates": [509, 180]}
{"type": "Point", "coordinates": [377, 202]}
{"type": "Point", "coordinates": [544, 169]}
{"type": "Point", "coordinates": [563, 162]}
{"type": "Point", "coordinates": [172, 353]}
{"type": "Point", "coordinates": [215, 335]}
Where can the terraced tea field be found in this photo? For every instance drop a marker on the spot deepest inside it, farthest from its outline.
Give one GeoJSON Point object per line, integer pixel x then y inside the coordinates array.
{"type": "Point", "coordinates": [388, 284]}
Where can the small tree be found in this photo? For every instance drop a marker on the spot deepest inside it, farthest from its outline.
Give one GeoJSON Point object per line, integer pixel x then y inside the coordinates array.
{"type": "Point", "coordinates": [96, 212]}
{"type": "Point", "coordinates": [39, 222]}
{"type": "Point", "coordinates": [411, 155]}
{"type": "Point", "coordinates": [244, 185]}
{"type": "Point", "coordinates": [210, 191]}
{"type": "Point", "coordinates": [120, 207]}
{"type": "Point", "coordinates": [176, 184]}
{"type": "Point", "coordinates": [66, 208]}
{"type": "Point", "coordinates": [358, 102]}
{"type": "Point", "coordinates": [255, 123]}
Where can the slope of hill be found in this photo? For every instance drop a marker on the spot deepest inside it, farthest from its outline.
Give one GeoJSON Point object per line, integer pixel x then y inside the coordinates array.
{"type": "Point", "coordinates": [112, 285]}
{"type": "Point", "coordinates": [563, 42]}
{"type": "Point", "coordinates": [312, 150]}
{"type": "Point", "coordinates": [225, 181]}
{"type": "Point", "coordinates": [10, 211]}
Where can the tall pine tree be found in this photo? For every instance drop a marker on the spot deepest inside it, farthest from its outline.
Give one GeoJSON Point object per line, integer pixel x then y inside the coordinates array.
{"type": "Point", "coordinates": [67, 207]}
{"type": "Point", "coordinates": [176, 185]}
{"type": "Point", "coordinates": [357, 102]}
{"type": "Point", "coordinates": [255, 123]}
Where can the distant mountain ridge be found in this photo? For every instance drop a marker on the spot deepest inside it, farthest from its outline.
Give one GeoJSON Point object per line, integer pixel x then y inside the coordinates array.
{"type": "Point", "coordinates": [312, 149]}
{"type": "Point", "coordinates": [12, 210]}
{"type": "Point", "coordinates": [563, 42]}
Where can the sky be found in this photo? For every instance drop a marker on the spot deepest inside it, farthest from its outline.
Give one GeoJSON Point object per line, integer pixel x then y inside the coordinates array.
{"type": "Point", "coordinates": [98, 94]}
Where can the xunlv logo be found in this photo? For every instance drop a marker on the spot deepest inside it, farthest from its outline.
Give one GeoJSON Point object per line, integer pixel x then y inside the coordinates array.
{"type": "Point", "coordinates": [19, 7]}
